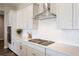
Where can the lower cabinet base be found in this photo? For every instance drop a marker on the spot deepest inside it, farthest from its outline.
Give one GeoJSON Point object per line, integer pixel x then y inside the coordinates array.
{"type": "Point", "coordinates": [21, 49]}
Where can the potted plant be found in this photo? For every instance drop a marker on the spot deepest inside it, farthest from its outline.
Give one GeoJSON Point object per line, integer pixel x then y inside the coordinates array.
{"type": "Point", "coordinates": [19, 31]}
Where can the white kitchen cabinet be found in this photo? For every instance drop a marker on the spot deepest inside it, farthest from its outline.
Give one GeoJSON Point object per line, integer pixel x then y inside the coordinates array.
{"type": "Point", "coordinates": [12, 22]}
{"type": "Point", "coordinates": [33, 52]}
{"type": "Point", "coordinates": [35, 9]}
{"type": "Point", "coordinates": [23, 50]}
{"type": "Point", "coordinates": [20, 49]}
{"type": "Point", "coordinates": [41, 8]}
{"type": "Point", "coordinates": [51, 52]}
{"type": "Point", "coordinates": [11, 17]}
{"type": "Point", "coordinates": [25, 17]}
{"type": "Point", "coordinates": [22, 18]}
{"type": "Point", "coordinates": [30, 16]}
{"type": "Point", "coordinates": [75, 15]}
{"type": "Point", "coordinates": [35, 12]}
{"type": "Point", "coordinates": [64, 15]}
{"type": "Point", "coordinates": [53, 8]}
{"type": "Point", "coordinates": [16, 47]}
{"type": "Point", "coordinates": [67, 15]}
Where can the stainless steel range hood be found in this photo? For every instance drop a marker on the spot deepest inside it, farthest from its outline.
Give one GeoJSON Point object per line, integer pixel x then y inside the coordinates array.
{"type": "Point", "coordinates": [46, 14]}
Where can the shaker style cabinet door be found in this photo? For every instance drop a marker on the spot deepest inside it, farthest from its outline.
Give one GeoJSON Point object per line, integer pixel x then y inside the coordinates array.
{"type": "Point", "coordinates": [75, 15]}
{"type": "Point", "coordinates": [41, 8]}
{"type": "Point", "coordinates": [34, 52]}
{"type": "Point", "coordinates": [23, 50]}
{"type": "Point", "coordinates": [64, 15]}
{"type": "Point", "coordinates": [35, 12]}
{"type": "Point", "coordinates": [53, 8]}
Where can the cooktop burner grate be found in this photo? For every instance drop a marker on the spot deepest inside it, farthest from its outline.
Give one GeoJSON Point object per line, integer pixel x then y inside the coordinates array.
{"type": "Point", "coordinates": [41, 41]}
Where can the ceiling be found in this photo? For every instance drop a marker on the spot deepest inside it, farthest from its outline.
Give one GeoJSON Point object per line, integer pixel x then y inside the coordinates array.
{"type": "Point", "coordinates": [15, 5]}
{"type": "Point", "coordinates": [12, 5]}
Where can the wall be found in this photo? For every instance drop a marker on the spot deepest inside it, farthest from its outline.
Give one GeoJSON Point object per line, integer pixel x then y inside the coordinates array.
{"type": "Point", "coordinates": [48, 29]}
{"type": "Point", "coordinates": [5, 28]}
{"type": "Point", "coordinates": [9, 20]}
{"type": "Point", "coordinates": [6, 17]}
{"type": "Point", "coordinates": [1, 27]}
{"type": "Point", "coordinates": [12, 21]}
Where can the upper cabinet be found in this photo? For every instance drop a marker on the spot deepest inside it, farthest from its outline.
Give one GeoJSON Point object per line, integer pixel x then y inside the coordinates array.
{"type": "Point", "coordinates": [24, 17]}
{"type": "Point", "coordinates": [53, 8]}
{"type": "Point", "coordinates": [29, 12]}
{"type": "Point", "coordinates": [75, 16]}
{"type": "Point", "coordinates": [12, 22]}
{"type": "Point", "coordinates": [67, 15]}
{"type": "Point", "coordinates": [35, 9]}
{"type": "Point", "coordinates": [64, 15]}
{"type": "Point", "coordinates": [41, 8]}
{"type": "Point", "coordinates": [35, 12]}
{"type": "Point", "coordinates": [11, 17]}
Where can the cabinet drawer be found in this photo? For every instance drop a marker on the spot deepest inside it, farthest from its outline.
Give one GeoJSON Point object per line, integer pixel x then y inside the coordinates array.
{"type": "Point", "coordinates": [52, 52]}
{"type": "Point", "coordinates": [37, 53]}
{"type": "Point", "coordinates": [37, 47]}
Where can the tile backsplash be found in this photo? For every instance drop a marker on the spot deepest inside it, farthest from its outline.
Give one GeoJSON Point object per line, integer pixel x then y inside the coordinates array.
{"type": "Point", "coordinates": [49, 30]}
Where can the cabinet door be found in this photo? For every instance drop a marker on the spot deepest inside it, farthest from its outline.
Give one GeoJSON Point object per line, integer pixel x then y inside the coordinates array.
{"type": "Point", "coordinates": [37, 53]}
{"type": "Point", "coordinates": [34, 52]}
{"type": "Point", "coordinates": [53, 8]}
{"type": "Point", "coordinates": [23, 50]}
{"type": "Point", "coordinates": [30, 16]}
{"type": "Point", "coordinates": [76, 16]}
{"type": "Point", "coordinates": [15, 47]}
{"type": "Point", "coordinates": [24, 17]}
{"type": "Point", "coordinates": [64, 15]}
{"type": "Point", "coordinates": [10, 18]}
{"type": "Point", "coordinates": [41, 9]}
{"type": "Point", "coordinates": [35, 9]}
{"type": "Point", "coordinates": [35, 12]}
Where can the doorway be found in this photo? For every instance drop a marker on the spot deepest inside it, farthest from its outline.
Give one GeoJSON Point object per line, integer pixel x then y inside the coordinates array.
{"type": "Point", "coordinates": [1, 29]}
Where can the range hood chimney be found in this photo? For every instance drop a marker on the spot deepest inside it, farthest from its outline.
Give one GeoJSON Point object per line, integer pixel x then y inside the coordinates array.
{"type": "Point", "coordinates": [46, 14]}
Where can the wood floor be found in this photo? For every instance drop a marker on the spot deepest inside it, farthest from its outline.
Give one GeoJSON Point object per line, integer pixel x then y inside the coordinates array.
{"type": "Point", "coordinates": [5, 52]}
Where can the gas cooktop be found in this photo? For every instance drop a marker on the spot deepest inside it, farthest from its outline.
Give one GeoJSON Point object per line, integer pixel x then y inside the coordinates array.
{"type": "Point", "coordinates": [41, 41]}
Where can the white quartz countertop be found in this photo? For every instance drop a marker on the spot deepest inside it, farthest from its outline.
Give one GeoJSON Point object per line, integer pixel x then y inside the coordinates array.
{"type": "Point", "coordinates": [67, 49]}
{"type": "Point", "coordinates": [71, 50]}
